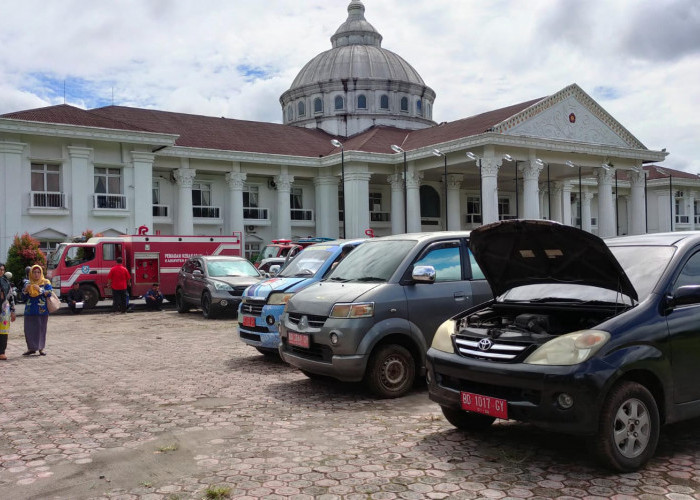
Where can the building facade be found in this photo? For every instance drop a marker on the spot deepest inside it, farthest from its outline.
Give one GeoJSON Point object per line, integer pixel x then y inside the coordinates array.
{"type": "Point", "coordinates": [357, 153]}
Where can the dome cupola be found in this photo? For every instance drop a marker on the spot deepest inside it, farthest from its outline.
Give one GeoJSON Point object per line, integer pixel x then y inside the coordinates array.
{"type": "Point", "coordinates": [357, 84]}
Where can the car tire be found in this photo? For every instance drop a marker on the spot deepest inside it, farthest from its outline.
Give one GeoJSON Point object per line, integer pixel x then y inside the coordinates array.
{"type": "Point", "coordinates": [628, 428]}
{"type": "Point", "coordinates": [208, 310]}
{"type": "Point", "coordinates": [266, 351]}
{"type": "Point", "coordinates": [90, 296]}
{"type": "Point", "coordinates": [180, 301]}
{"type": "Point", "coordinates": [391, 372]}
{"type": "Point", "coordinates": [467, 420]}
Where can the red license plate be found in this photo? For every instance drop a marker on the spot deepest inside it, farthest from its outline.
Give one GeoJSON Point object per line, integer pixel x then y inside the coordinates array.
{"type": "Point", "coordinates": [484, 404]}
{"type": "Point", "coordinates": [249, 321]}
{"type": "Point", "coordinates": [299, 339]}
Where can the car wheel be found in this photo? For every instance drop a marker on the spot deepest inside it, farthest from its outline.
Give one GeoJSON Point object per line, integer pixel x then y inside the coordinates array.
{"type": "Point", "coordinates": [90, 296]}
{"type": "Point", "coordinates": [467, 420]}
{"type": "Point", "coordinates": [628, 428]}
{"type": "Point", "coordinates": [391, 371]}
{"type": "Point", "coordinates": [266, 351]}
{"type": "Point", "coordinates": [180, 301]}
{"type": "Point", "coordinates": [207, 307]}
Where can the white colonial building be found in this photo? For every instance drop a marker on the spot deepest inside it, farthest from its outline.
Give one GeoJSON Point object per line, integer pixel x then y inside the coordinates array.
{"type": "Point", "coordinates": [357, 152]}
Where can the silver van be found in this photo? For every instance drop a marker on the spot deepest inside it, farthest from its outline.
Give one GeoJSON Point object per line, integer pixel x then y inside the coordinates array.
{"type": "Point", "coordinates": [374, 317]}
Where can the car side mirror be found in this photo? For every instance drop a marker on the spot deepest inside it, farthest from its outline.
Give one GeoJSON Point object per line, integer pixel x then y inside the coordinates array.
{"type": "Point", "coordinates": [274, 270]}
{"type": "Point", "coordinates": [196, 272]}
{"type": "Point", "coordinates": [423, 274]}
{"type": "Point", "coordinates": [685, 295]}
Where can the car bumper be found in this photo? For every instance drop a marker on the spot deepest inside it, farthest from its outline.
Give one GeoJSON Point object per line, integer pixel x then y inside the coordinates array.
{"type": "Point", "coordinates": [225, 303]}
{"type": "Point", "coordinates": [263, 334]}
{"type": "Point", "coordinates": [531, 391]}
{"type": "Point", "coordinates": [345, 361]}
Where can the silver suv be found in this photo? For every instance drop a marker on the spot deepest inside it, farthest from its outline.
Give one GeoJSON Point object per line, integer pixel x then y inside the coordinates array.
{"type": "Point", "coordinates": [374, 317]}
{"type": "Point", "coordinates": [214, 283]}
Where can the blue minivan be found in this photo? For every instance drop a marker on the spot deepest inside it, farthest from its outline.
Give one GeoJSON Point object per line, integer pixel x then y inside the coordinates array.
{"type": "Point", "coordinates": [263, 303]}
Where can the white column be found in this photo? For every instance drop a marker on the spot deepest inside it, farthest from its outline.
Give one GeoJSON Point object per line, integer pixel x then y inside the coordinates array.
{"type": "Point", "coordinates": [356, 203]}
{"type": "Point", "coordinates": [606, 205]}
{"type": "Point", "coordinates": [398, 215]}
{"type": "Point", "coordinates": [11, 194]}
{"type": "Point", "coordinates": [184, 176]}
{"type": "Point", "coordinates": [143, 190]}
{"type": "Point", "coordinates": [454, 209]}
{"type": "Point", "coordinates": [489, 177]}
{"type": "Point", "coordinates": [327, 218]}
{"type": "Point", "coordinates": [413, 196]}
{"type": "Point", "coordinates": [284, 224]}
{"type": "Point", "coordinates": [556, 197]}
{"type": "Point", "coordinates": [81, 185]}
{"type": "Point", "coordinates": [234, 217]}
{"type": "Point", "coordinates": [586, 211]}
{"type": "Point", "coordinates": [637, 214]}
{"type": "Point", "coordinates": [531, 175]}
{"type": "Point", "coordinates": [691, 208]}
{"type": "Point", "coordinates": [566, 203]}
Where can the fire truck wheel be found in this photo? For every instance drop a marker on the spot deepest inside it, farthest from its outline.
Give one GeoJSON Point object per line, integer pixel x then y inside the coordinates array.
{"type": "Point", "coordinates": [90, 296]}
{"type": "Point", "coordinates": [208, 310]}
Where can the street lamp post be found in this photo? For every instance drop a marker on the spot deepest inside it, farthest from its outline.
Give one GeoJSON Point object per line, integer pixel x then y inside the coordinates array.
{"type": "Point", "coordinates": [472, 156]}
{"type": "Point", "coordinates": [398, 149]}
{"type": "Point", "coordinates": [339, 144]}
{"type": "Point", "coordinates": [437, 152]}
{"type": "Point", "coordinates": [571, 164]}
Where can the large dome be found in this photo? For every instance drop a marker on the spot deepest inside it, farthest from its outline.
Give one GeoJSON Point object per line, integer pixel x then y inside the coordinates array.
{"type": "Point", "coordinates": [357, 84]}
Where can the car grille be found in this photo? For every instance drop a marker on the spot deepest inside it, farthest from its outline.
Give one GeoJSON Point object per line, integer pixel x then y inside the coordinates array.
{"type": "Point", "coordinates": [492, 349]}
{"type": "Point", "coordinates": [252, 308]}
{"type": "Point", "coordinates": [238, 290]}
{"type": "Point", "coordinates": [316, 352]}
{"type": "Point", "coordinates": [314, 321]}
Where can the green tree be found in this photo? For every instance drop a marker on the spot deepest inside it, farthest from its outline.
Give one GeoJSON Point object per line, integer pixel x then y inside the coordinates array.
{"type": "Point", "coordinates": [23, 252]}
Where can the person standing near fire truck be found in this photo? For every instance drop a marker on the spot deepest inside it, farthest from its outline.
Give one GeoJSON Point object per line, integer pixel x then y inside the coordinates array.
{"type": "Point", "coordinates": [118, 279]}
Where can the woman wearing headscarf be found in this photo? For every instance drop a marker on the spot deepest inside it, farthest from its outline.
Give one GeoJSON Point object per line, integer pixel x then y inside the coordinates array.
{"type": "Point", "coordinates": [36, 314]}
{"type": "Point", "coordinates": [7, 309]}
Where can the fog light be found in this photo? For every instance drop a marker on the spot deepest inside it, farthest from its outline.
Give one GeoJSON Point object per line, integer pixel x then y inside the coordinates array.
{"type": "Point", "coordinates": [224, 303]}
{"type": "Point", "coordinates": [270, 320]}
{"type": "Point", "coordinates": [334, 338]}
{"type": "Point", "coordinates": [565, 401]}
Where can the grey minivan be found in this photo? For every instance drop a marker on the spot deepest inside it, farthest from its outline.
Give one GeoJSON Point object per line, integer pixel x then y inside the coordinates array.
{"type": "Point", "coordinates": [374, 317]}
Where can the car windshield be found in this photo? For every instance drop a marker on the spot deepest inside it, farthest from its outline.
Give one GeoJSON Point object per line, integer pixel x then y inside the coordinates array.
{"type": "Point", "coordinates": [308, 262]}
{"type": "Point", "coordinates": [372, 261]}
{"type": "Point", "coordinates": [643, 265]}
{"type": "Point", "coordinates": [221, 268]}
{"type": "Point", "coordinates": [55, 257]}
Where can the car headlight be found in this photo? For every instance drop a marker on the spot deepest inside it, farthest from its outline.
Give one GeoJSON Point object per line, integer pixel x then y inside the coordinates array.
{"type": "Point", "coordinates": [220, 285]}
{"type": "Point", "coordinates": [442, 341]}
{"type": "Point", "coordinates": [569, 349]}
{"type": "Point", "coordinates": [279, 298]}
{"type": "Point", "coordinates": [348, 310]}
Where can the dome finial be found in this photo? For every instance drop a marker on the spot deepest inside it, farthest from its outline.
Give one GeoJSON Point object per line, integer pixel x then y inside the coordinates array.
{"type": "Point", "coordinates": [356, 30]}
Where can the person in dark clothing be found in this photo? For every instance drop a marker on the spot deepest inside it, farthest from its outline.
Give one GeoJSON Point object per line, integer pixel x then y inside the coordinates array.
{"type": "Point", "coordinates": [75, 298]}
{"type": "Point", "coordinates": [154, 298]}
{"type": "Point", "coordinates": [7, 309]}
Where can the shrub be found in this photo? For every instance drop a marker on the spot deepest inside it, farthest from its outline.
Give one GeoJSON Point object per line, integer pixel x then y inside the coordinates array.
{"type": "Point", "coordinates": [24, 252]}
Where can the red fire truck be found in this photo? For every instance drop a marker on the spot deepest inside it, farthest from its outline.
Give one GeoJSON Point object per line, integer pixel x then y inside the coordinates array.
{"type": "Point", "coordinates": [149, 258]}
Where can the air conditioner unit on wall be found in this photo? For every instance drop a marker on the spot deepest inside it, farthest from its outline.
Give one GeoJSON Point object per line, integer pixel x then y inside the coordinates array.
{"type": "Point", "coordinates": [250, 229]}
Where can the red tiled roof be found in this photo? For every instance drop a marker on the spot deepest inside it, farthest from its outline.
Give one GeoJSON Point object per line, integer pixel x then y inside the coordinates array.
{"type": "Point", "coordinates": [70, 115]}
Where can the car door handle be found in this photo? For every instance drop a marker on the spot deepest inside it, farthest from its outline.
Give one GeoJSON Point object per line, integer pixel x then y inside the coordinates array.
{"type": "Point", "coordinates": [93, 272]}
{"type": "Point", "coordinates": [459, 296]}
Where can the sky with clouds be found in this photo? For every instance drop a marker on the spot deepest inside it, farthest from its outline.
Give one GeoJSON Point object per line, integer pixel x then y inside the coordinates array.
{"type": "Point", "coordinates": [639, 59]}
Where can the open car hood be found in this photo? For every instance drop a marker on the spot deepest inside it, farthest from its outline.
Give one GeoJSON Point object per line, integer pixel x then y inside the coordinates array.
{"type": "Point", "coordinates": [527, 252]}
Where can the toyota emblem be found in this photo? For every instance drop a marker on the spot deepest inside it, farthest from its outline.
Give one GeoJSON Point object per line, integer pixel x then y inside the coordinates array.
{"type": "Point", "coordinates": [485, 344]}
{"type": "Point", "coordinates": [303, 323]}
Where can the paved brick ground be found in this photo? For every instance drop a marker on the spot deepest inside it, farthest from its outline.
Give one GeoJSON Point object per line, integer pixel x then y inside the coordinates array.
{"type": "Point", "coordinates": [166, 406]}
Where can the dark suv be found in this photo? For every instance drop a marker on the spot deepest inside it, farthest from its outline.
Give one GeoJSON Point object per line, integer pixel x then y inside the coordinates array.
{"type": "Point", "coordinates": [214, 283]}
{"type": "Point", "coordinates": [585, 336]}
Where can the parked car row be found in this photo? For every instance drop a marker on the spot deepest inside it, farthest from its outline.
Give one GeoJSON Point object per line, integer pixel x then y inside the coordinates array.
{"type": "Point", "coordinates": [531, 321]}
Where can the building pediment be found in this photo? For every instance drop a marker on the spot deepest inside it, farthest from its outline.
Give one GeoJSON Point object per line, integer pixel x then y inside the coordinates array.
{"type": "Point", "coordinates": [570, 115]}
{"type": "Point", "coordinates": [49, 234]}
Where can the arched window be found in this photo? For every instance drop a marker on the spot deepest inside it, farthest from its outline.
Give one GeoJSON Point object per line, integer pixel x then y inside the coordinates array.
{"type": "Point", "coordinates": [339, 104]}
{"type": "Point", "coordinates": [429, 202]}
{"type": "Point", "coordinates": [301, 108]}
{"type": "Point", "coordinates": [419, 107]}
{"type": "Point", "coordinates": [384, 102]}
{"type": "Point", "coordinates": [404, 104]}
{"type": "Point", "coordinates": [318, 105]}
{"type": "Point", "coordinates": [290, 113]}
{"type": "Point", "coordinates": [361, 102]}
{"type": "Point", "coordinates": [428, 110]}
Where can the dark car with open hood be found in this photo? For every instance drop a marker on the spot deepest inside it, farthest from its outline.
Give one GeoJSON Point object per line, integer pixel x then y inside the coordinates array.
{"type": "Point", "coordinates": [585, 336]}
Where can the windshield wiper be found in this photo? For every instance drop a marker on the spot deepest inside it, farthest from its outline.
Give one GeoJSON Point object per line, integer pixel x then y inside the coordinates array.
{"type": "Point", "coordinates": [342, 280]}
{"type": "Point", "coordinates": [370, 278]}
